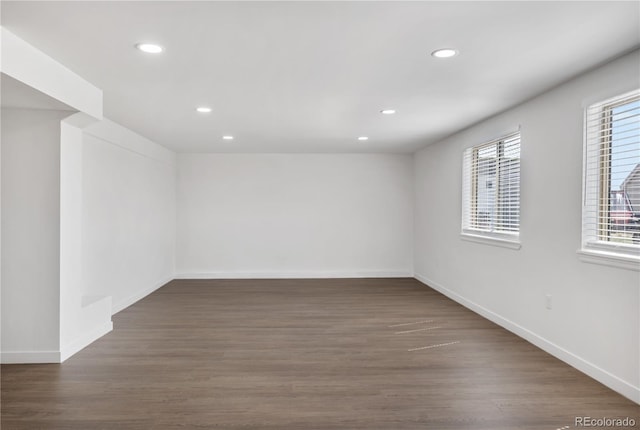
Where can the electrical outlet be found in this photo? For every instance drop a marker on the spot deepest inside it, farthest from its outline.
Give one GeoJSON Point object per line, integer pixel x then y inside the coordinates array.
{"type": "Point", "coordinates": [548, 301]}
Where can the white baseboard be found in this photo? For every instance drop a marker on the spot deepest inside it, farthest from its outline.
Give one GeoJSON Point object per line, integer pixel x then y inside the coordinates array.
{"type": "Point", "coordinates": [619, 385]}
{"type": "Point", "coordinates": [85, 340]}
{"type": "Point", "coordinates": [297, 275]}
{"type": "Point", "coordinates": [29, 357]}
{"type": "Point", "coordinates": [123, 304]}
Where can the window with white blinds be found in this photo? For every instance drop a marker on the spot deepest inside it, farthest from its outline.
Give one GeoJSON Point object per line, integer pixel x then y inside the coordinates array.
{"type": "Point", "coordinates": [611, 209]}
{"type": "Point", "coordinates": [491, 189]}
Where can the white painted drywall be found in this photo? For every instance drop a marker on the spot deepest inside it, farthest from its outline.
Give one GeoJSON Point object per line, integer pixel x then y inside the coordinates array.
{"type": "Point", "coordinates": [36, 69]}
{"type": "Point", "coordinates": [595, 320]}
{"type": "Point", "coordinates": [83, 319]}
{"type": "Point", "coordinates": [45, 317]}
{"type": "Point", "coordinates": [63, 261]}
{"type": "Point", "coordinates": [128, 218]}
{"type": "Point", "coordinates": [30, 233]}
{"type": "Point", "coordinates": [294, 215]}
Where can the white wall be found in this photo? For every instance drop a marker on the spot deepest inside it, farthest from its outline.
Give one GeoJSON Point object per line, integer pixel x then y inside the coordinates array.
{"type": "Point", "coordinates": [30, 233]}
{"type": "Point", "coordinates": [294, 215]}
{"type": "Point", "coordinates": [88, 228]}
{"type": "Point", "coordinates": [63, 261]}
{"type": "Point", "coordinates": [44, 316]}
{"type": "Point", "coordinates": [594, 324]}
{"type": "Point", "coordinates": [128, 217]}
{"type": "Point", "coordinates": [83, 319]}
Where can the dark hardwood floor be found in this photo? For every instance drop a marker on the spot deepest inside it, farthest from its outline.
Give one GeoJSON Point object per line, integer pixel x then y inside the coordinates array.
{"type": "Point", "coordinates": [386, 354]}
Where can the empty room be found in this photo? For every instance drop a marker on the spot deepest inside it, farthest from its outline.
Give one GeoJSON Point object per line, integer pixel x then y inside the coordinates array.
{"type": "Point", "coordinates": [324, 215]}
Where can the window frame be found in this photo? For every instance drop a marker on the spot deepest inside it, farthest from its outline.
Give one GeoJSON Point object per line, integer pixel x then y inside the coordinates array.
{"type": "Point", "coordinates": [470, 180]}
{"type": "Point", "coordinates": [595, 248]}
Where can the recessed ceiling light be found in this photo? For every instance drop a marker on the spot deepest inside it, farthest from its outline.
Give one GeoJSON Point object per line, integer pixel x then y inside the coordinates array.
{"type": "Point", "coordinates": [150, 48]}
{"type": "Point", "coordinates": [444, 53]}
{"type": "Point", "coordinates": [388, 111]}
{"type": "Point", "coordinates": [227, 137]}
{"type": "Point", "coordinates": [203, 109]}
{"type": "Point", "coordinates": [363, 138]}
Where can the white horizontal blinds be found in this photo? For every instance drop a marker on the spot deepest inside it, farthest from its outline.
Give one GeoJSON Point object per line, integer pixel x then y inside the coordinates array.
{"type": "Point", "coordinates": [492, 186]}
{"type": "Point", "coordinates": [468, 184]}
{"type": "Point", "coordinates": [484, 166]}
{"type": "Point", "coordinates": [508, 213]}
{"type": "Point", "coordinates": [612, 172]}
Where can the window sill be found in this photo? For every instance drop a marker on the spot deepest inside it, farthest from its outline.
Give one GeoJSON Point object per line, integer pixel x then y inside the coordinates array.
{"type": "Point", "coordinates": [489, 240]}
{"type": "Point", "coordinates": [608, 258]}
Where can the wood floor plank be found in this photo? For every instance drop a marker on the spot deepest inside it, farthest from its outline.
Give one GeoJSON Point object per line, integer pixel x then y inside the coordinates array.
{"type": "Point", "coordinates": [303, 354]}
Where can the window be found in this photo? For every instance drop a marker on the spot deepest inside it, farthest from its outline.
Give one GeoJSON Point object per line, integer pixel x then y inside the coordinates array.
{"type": "Point", "coordinates": [491, 189]}
{"type": "Point", "coordinates": [611, 209]}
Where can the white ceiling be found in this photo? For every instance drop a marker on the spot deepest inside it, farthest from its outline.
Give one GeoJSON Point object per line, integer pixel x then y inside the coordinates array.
{"type": "Point", "coordinates": [313, 76]}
